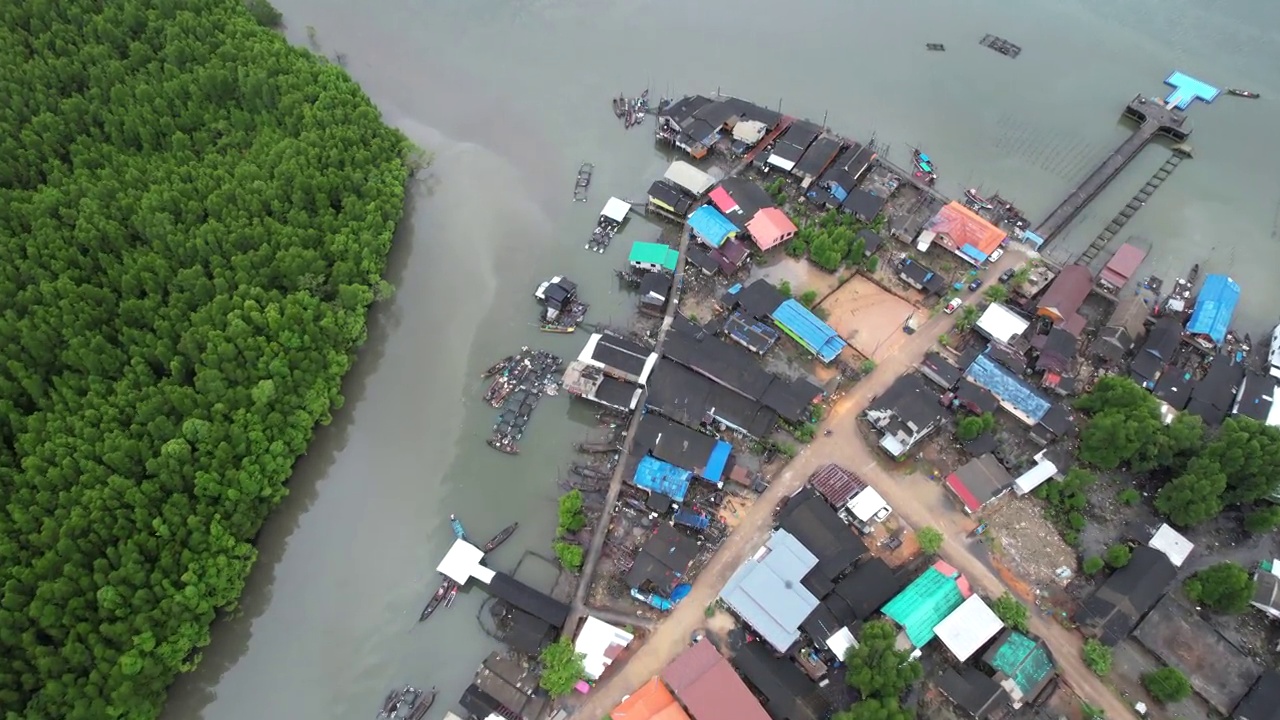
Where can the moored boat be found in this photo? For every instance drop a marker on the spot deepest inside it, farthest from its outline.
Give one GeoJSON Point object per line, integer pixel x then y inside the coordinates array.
{"type": "Point", "coordinates": [449, 597]}
{"type": "Point", "coordinates": [1243, 93]}
{"type": "Point", "coordinates": [434, 602]}
{"type": "Point", "coordinates": [458, 531]}
{"type": "Point", "coordinates": [498, 367]}
{"type": "Point", "coordinates": [978, 200]}
{"type": "Point", "coordinates": [561, 329]}
{"type": "Point", "coordinates": [391, 703]}
{"type": "Point", "coordinates": [423, 705]}
{"type": "Point", "coordinates": [504, 446]}
{"type": "Point", "coordinates": [501, 537]}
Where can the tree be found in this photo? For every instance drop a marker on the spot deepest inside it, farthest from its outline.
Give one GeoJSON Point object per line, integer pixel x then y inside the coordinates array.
{"type": "Point", "coordinates": [866, 366]}
{"type": "Point", "coordinates": [872, 263]}
{"type": "Point", "coordinates": [1129, 496]}
{"type": "Point", "coordinates": [560, 668]}
{"type": "Point", "coordinates": [1225, 587]}
{"type": "Point", "coordinates": [1012, 612]}
{"type": "Point", "coordinates": [264, 13]}
{"type": "Point", "coordinates": [876, 668]}
{"type": "Point", "coordinates": [784, 287]}
{"type": "Point", "coordinates": [1194, 496]}
{"type": "Point", "coordinates": [969, 315]}
{"type": "Point", "coordinates": [1263, 520]}
{"type": "Point", "coordinates": [1248, 454]}
{"type": "Point", "coordinates": [571, 516]}
{"type": "Point", "coordinates": [1124, 420]}
{"type": "Point", "coordinates": [1020, 276]}
{"type": "Point", "coordinates": [1168, 685]}
{"type": "Point", "coordinates": [569, 555]}
{"type": "Point", "coordinates": [930, 540]}
{"type": "Point", "coordinates": [808, 298]}
{"type": "Point", "coordinates": [1092, 565]}
{"type": "Point", "coordinates": [1097, 656]}
{"type": "Point", "coordinates": [974, 425]}
{"type": "Point", "coordinates": [1117, 556]}
{"type": "Point", "coordinates": [196, 218]}
{"type": "Point", "coordinates": [997, 293]}
{"type": "Point", "coordinates": [876, 709]}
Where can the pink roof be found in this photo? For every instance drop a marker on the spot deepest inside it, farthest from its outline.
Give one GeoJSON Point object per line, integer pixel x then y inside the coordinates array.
{"type": "Point", "coordinates": [1122, 265]}
{"type": "Point", "coordinates": [708, 687]}
{"type": "Point", "coordinates": [962, 582]}
{"type": "Point", "coordinates": [723, 201]}
{"type": "Point", "coordinates": [770, 227]}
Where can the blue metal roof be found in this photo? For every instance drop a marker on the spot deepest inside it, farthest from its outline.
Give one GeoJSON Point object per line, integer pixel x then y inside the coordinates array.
{"type": "Point", "coordinates": [809, 330]}
{"type": "Point", "coordinates": [1008, 387]}
{"type": "Point", "coordinates": [710, 225]}
{"type": "Point", "coordinates": [655, 475]}
{"type": "Point", "coordinates": [716, 462]}
{"type": "Point", "coordinates": [1215, 307]}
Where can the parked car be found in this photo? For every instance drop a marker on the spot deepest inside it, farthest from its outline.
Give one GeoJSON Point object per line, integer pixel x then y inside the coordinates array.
{"type": "Point", "coordinates": [975, 284]}
{"type": "Point", "coordinates": [995, 255]}
{"type": "Point", "coordinates": [1006, 276]}
{"type": "Point", "coordinates": [954, 305]}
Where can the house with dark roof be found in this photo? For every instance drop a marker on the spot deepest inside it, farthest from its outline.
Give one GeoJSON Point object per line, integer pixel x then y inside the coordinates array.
{"type": "Point", "coordinates": [756, 336]}
{"type": "Point", "coordinates": [1215, 394]}
{"type": "Point", "coordinates": [1256, 397]}
{"type": "Point", "coordinates": [871, 242]}
{"type": "Point", "coordinates": [972, 691]}
{"type": "Point", "coordinates": [812, 521]}
{"type": "Point", "coordinates": [816, 159]}
{"type": "Point", "coordinates": [1112, 612]}
{"type": "Point", "coordinates": [791, 145]}
{"type": "Point", "coordinates": [866, 589]}
{"type": "Point", "coordinates": [674, 443]}
{"type": "Point", "coordinates": [655, 289]}
{"type": "Point", "coordinates": [690, 398]}
{"type": "Point", "coordinates": [1262, 702]}
{"type": "Point", "coordinates": [842, 177]}
{"type": "Point", "coordinates": [669, 198]}
{"type": "Point", "coordinates": [921, 278]}
{"type": "Point", "coordinates": [973, 397]}
{"type": "Point", "coordinates": [788, 693]}
{"type": "Point", "coordinates": [1156, 352]}
{"type": "Point", "coordinates": [1174, 387]}
{"type": "Point", "coordinates": [700, 258]}
{"type": "Point", "coordinates": [758, 300]}
{"type": "Point", "coordinates": [663, 561]}
{"type": "Point", "coordinates": [1014, 393]}
{"type": "Point", "coordinates": [1125, 328]}
{"type": "Point", "coordinates": [1064, 296]}
{"type": "Point", "coordinates": [904, 414]}
{"type": "Point", "coordinates": [744, 199]}
{"type": "Point", "coordinates": [978, 482]}
{"type": "Point", "coordinates": [1055, 350]}
{"type": "Point", "coordinates": [940, 370]}
{"type": "Point", "coordinates": [863, 205]}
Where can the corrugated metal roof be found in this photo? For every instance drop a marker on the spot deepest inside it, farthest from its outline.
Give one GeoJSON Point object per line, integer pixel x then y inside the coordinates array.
{"type": "Point", "coordinates": [707, 685]}
{"type": "Point", "coordinates": [836, 484]}
{"type": "Point", "coordinates": [927, 601]}
{"type": "Point", "coordinates": [686, 176]}
{"type": "Point", "coordinates": [800, 323]}
{"type": "Point", "coordinates": [652, 701]}
{"type": "Point", "coordinates": [711, 226]}
{"type": "Point", "coordinates": [655, 475]}
{"type": "Point", "coordinates": [766, 591]}
{"type": "Point", "coordinates": [1122, 265]}
{"type": "Point", "coordinates": [968, 628]}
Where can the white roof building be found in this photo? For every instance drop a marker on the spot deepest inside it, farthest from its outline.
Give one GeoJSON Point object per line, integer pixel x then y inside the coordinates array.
{"type": "Point", "coordinates": [600, 643]}
{"type": "Point", "coordinates": [749, 131]}
{"type": "Point", "coordinates": [1036, 476]}
{"type": "Point", "coordinates": [968, 628]}
{"type": "Point", "coordinates": [868, 506]}
{"type": "Point", "coordinates": [1172, 544]}
{"type": "Point", "coordinates": [688, 177]}
{"type": "Point", "coordinates": [1000, 323]}
{"type": "Point", "coordinates": [462, 563]}
{"type": "Point", "coordinates": [616, 210]}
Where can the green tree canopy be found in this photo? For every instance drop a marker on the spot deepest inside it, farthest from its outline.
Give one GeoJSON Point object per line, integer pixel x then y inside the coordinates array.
{"type": "Point", "coordinates": [194, 220]}
{"type": "Point", "coordinates": [569, 554]}
{"type": "Point", "coordinates": [571, 516]}
{"type": "Point", "coordinates": [876, 668]}
{"type": "Point", "coordinates": [1248, 453]}
{"type": "Point", "coordinates": [1195, 495]}
{"type": "Point", "coordinates": [1125, 428]}
{"type": "Point", "coordinates": [1097, 656]}
{"type": "Point", "coordinates": [1225, 587]}
{"type": "Point", "coordinates": [876, 709]}
{"type": "Point", "coordinates": [1012, 612]}
{"type": "Point", "coordinates": [930, 540]}
{"type": "Point", "coordinates": [561, 668]}
{"type": "Point", "coordinates": [1168, 685]}
{"type": "Point", "coordinates": [1117, 556]}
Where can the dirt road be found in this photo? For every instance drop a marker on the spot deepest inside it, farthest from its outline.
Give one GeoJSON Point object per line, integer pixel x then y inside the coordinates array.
{"type": "Point", "coordinates": [919, 501]}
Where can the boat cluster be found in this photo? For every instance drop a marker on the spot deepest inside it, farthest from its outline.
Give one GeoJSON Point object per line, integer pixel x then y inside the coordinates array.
{"type": "Point", "coordinates": [447, 591]}
{"type": "Point", "coordinates": [631, 111]}
{"type": "Point", "coordinates": [409, 703]}
{"type": "Point", "coordinates": [926, 172]}
{"type": "Point", "coordinates": [519, 382]}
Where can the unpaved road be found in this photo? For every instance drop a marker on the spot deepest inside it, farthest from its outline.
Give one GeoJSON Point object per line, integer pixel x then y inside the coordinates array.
{"type": "Point", "coordinates": [919, 501]}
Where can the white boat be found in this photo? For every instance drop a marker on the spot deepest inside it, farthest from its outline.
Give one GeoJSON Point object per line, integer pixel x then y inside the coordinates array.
{"type": "Point", "coordinates": [1273, 353]}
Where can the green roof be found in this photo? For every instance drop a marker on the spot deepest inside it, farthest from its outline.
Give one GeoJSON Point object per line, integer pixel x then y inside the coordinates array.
{"type": "Point", "coordinates": [654, 254]}
{"type": "Point", "coordinates": [1024, 660]}
{"type": "Point", "coordinates": [926, 602]}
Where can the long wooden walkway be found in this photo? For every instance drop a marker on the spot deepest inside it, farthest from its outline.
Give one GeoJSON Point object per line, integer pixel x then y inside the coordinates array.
{"type": "Point", "coordinates": [1153, 119]}
{"type": "Point", "coordinates": [1135, 204]}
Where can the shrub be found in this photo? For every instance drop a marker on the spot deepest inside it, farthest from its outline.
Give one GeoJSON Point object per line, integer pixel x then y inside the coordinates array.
{"type": "Point", "coordinates": [930, 540]}
{"type": "Point", "coordinates": [561, 668]}
{"type": "Point", "coordinates": [1097, 656]}
{"type": "Point", "coordinates": [569, 555]}
{"type": "Point", "coordinates": [1011, 612]}
{"type": "Point", "coordinates": [1117, 556]}
{"type": "Point", "coordinates": [808, 298]}
{"type": "Point", "coordinates": [871, 263]}
{"type": "Point", "coordinates": [1129, 496]}
{"type": "Point", "coordinates": [1168, 685]}
{"type": "Point", "coordinates": [1225, 587]}
{"type": "Point", "coordinates": [1092, 565]}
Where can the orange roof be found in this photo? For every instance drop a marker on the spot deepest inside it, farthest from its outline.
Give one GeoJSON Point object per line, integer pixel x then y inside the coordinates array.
{"type": "Point", "coordinates": [651, 702]}
{"type": "Point", "coordinates": [961, 226]}
{"type": "Point", "coordinates": [769, 227]}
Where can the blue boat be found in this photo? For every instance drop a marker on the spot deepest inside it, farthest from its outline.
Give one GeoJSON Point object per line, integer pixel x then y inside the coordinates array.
{"type": "Point", "coordinates": [653, 600]}
{"type": "Point", "coordinates": [458, 531]}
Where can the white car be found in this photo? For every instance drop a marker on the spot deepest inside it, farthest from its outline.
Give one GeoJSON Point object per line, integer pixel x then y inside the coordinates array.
{"type": "Point", "coordinates": [954, 305]}
{"type": "Point", "coordinates": [995, 255]}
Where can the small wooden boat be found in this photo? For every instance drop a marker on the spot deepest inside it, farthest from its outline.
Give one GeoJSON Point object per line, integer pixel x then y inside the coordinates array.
{"type": "Point", "coordinates": [391, 703]}
{"type": "Point", "coordinates": [976, 199]}
{"type": "Point", "coordinates": [501, 537]}
{"type": "Point", "coordinates": [935, 47]}
{"type": "Point", "coordinates": [453, 593]}
{"type": "Point", "coordinates": [432, 604]}
{"type": "Point", "coordinates": [619, 106]}
{"type": "Point", "coordinates": [458, 531]}
{"type": "Point", "coordinates": [424, 703]}
{"type": "Point", "coordinates": [499, 366]}
{"type": "Point", "coordinates": [1243, 93]}
{"type": "Point", "coordinates": [503, 446]}
{"type": "Point", "coordinates": [563, 330]}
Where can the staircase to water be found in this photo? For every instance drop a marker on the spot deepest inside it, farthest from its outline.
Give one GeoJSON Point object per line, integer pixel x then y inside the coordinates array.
{"type": "Point", "coordinates": [1180, 152]}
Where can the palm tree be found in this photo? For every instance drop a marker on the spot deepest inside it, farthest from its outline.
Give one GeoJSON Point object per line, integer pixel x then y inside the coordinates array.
{"type": "Point", "coordinates": [968, 317]}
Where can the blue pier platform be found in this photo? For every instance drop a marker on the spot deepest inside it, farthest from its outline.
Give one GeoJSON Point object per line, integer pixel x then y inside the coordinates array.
{"type": "Point", "coordinates": [1187, 90]}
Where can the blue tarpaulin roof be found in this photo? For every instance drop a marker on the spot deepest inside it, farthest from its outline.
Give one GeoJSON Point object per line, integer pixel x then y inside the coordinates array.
{"type": "Point", "coordinates": [974, 253]}
{"type": "Point", "coordinates": [1008, 387]}
{"type": "Point", "coordinates": [808, 330]}
{"type": "Point", "coordinates": [662, 477]}
{"type": "Point", "coordinates": [1214, 307]}
{"type": "Point", "coordinates": [1032, 239]}
{"type": "Point", "coordinates": [719, 458]}
{"type": "Point", "coordinates": [713, 227]}
{"type": "Point", "coordinates": [693, 519]}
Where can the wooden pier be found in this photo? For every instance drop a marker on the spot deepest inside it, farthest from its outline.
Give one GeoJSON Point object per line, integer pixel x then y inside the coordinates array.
{"type": "Point", "coordinates": [1154, 117]}
{"type": "Point", "coordinates": [1135, 204]}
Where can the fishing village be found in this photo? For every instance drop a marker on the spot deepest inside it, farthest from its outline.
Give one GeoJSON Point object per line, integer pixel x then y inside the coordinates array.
{"type": "Point", "coordinates": [854, 419]}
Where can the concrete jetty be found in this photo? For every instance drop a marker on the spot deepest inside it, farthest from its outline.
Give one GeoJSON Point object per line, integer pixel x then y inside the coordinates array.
{"type": "Point", "coordinates": [1154, 117]}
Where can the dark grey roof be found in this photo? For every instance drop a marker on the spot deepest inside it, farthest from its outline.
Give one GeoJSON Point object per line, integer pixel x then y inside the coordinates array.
{"type": "Point", "coordinates": [750, 111]}
{"type": "Point", "coordinates": [656, 282]}
{"type": "Point", "coordinates": [1057, 419]}
{"type": "Point", "coordinates": [663, 560]}
{"type": "Point", "coordinates": [1145, 367]}
{"type": "Point", "coordinates": [1257, 393]}
{"type": "Point", "coordinates": [822, 623]}
{"type": "Point", "coordinates": [858, 164]}
{"type": "Point", "coordinates": [757, 300]}
{"type": "Point", "coordinates": [984, 443]}
{"type": "Point", "coordinates": [750, 197]}
{"type": "Point", "coordinates": [669, 194]}
{"type": "Point", "coordinates": [684, 108]}
{"type": "Point", "coordinates": [976, 397]}
{"type": "Point", "coordinates": [818, 156]}
{"type": "Point", "coordinates": [783, 684]}
{"type": "Point", "coordinates": [527, 634]}
{"type": "Point", "coordinates": [916, 272]}
{"type": "Point", "coordinates": [911, 400]}
{"type": "Point", "coordinates": [672, 442]}
{"type": "Point", "coordinates": [1112, 343]}
{"type": "Point", "coordinates": [1175, 386]}
{"type": "Point", "coordinates": [619, 354]}
{"type": "Point", "coordinates": [1214, 395]}
{"type": "Point", "coordinates": [678, 392]}
{"type": "Point", "coordinates": [1116, 608]}
{"type": "Point", "coordinates": [1057, 351]}
{"type": "Point", "coordinates": [787, 151]}
{"type": "Point", "coordinates": [1262, 702]}
{"type": "Point", "coordinates": [745, 413]}
{"type": "Point", "coordinates": [791, 399]}
{"type": "Point", "coordinates": [863, 205]}
{"type": "Point", "coordinates": [716, 114]}
{"type": "Point", "coordinates": [724, 362]}
{"type": "Point", "coordinates": [972, 691]}
{"type": "Point", "coordinates": [984, 477]}
{"type": "Point", "coordinates": [940, 370]}
{"type": "Point", "coordinates": [615, 392]}
{"type": "Point", "coordinates": [837, 178]}
{"type": "Point", "coordinates": [865, 590]}
{"type": "Point", "coordinates": [1163, 339]}
{"type": "Point", "coordinates": [536, 603]}
{"type": "Point", "coordinates": [870, 240]}
{"type": "Point", "coordinates": [700, 258]}
{"type": "Point", "coordinates": [801, 134]}
{"type": "Point", "coordinates": [819, 528]}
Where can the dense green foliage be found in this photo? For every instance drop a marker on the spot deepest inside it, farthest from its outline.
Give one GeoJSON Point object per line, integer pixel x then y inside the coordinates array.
{"type": "Point", "coordinates": [997, 293]}
{"type": "Point", "coordinates": [876, 668]}
{"type": "Point", "coordinates": [1012, 612]}
{"type": "Point", "coordinates": [194, 220]}
{"type": "Point", "coordinates": [1066, 501]}
{"type": "Point", "coordinates": [930, 540]}
{"type": "Point", "coordinates": [1097, 657]}
{"type": "Point", "coordinates": [831, 240]}
{"type": "Point", "coordinates": [876, 709]}
{"type": "Point", "coordinates": [1092, 565]}
{"type": "Point", "coordinates": [560, 668]}
{"type": "Point", "coordinates": [1225, 587]}
{"type": "Point", "coordinates": [1168, 685]}
{"type": "Point", "coordinates": [571, 517]}
{"type": "Point", "coordinates": [569, 554]}
{"type": "Point", "coordinates": [1263, 519]}
{"type": "Point", "coordinates": [1125, 429]}
{"type": "Point", "coordinates": [971, 426]}
{"type": "Point", "coordinates": [1117, 556]}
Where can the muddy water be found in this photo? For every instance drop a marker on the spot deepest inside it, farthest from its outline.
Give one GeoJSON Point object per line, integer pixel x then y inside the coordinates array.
{"type": "Point", "coordinates": [512, 96]}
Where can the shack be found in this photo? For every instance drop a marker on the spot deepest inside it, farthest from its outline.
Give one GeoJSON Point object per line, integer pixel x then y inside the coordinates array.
{"type": "Point", "coordinates": [1215, 307]}
{"type": "Point", "coordinates": [1121, 267]}
{"type": "Point", "coordinates": [816, 159]}
{"type": "Point", "coordinates": [689, 178]}
{"type": "Point", "coordinates": [708, 687]}
{"type": "Point", "coordinates": [669, 198]}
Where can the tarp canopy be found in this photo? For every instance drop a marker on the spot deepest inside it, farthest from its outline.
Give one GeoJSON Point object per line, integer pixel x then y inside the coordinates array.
{"type": "Point", "coordinates": [657, 476]}
{"type": "Point", "coordinates": [968, 628]}
{"type": "Point", "coordinates": [616, 210]}
{"type": "Point", "coordinates": [693, 180]}
{"type": "Point", "coordinates": [1215, 307]}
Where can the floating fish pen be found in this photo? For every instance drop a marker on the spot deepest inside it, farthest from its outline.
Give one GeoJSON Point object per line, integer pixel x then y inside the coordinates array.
{"type": "Point", "coordinates": [935, 47]}
{"type": "Point", "coordinates": [562, 310]}
{"type": "Point", "coordinates": [519, 383]}
{"type": "Point", "coordinates": [611, 218]}
{"type": "Point", "coordinates": [583, 182]}
{"type": "Point", "coordinates": [1000, 45]}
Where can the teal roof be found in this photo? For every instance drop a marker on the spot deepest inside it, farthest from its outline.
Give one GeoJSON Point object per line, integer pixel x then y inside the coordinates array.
{"type": "Point", "coordinates": [926, 602]}
{"type": "Point", "coordinates": [654, 254]}
{"type": "Point", "coordinates": [1023, 660]}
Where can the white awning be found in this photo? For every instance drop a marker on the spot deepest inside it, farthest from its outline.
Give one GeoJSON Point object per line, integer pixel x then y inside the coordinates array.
{"type": "Point", "coordinates": [842, 642]}
{"type": "Point", "coordinates": [968, 628]}
{"type": "Point", "coordinates": [925, 240]}
{"type": "Point", "coordinates": [1000, 323]}
{"type": "Point", "coordinates": [616, 210]}
{"type": "Point", "coordinates": [780, 162]}
{"type": "Point", "coordinates": [867, 506]}
{"type": "Point", "coordinates": [1172, 544]}
{"type": "Point", "coordinates": [462, 563]}
{"type": "Point", "coordinates": [1034, 478]}
{"type": "Point", "coordinates": [693, 180]}
{"type": "Point", "coordinates": [750, 131]}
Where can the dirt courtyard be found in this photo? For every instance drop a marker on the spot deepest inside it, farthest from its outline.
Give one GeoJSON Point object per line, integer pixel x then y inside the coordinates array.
{"type": "Point", "coordinates": [870, 318]}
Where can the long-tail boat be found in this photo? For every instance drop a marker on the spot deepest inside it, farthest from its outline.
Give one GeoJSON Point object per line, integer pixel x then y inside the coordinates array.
{"type": "Point", "coordinates": [501, 537]}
